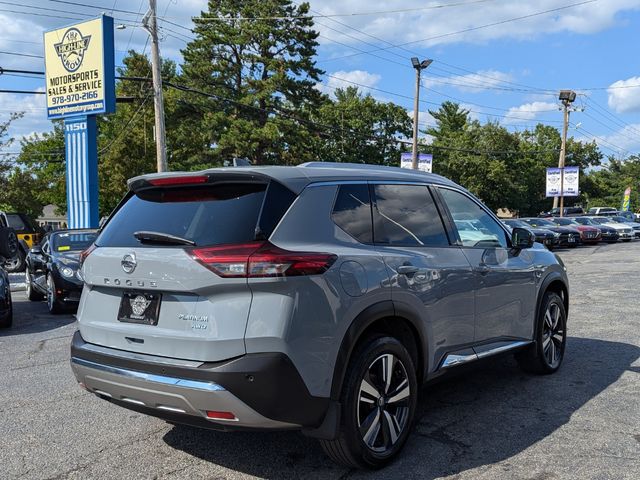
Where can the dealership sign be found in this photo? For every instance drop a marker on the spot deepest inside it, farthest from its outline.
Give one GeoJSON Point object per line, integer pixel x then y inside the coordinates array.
{"type": "Point", "coordinates": [569, 185]}
{"type": "Point", "coordinates": [425, 161]}
{"type": "Point", "coordinates": [79, 69]}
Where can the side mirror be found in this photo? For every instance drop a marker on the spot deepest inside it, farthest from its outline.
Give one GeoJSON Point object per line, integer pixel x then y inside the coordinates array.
{"type": "Point", "coordinates": [36, 250]}
{"type": "Point", "coordinates": [522, 238]}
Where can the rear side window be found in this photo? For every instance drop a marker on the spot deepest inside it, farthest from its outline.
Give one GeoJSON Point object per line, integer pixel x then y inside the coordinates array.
{"type": "Point", "coordinates": [352, 212]}
{"type": "Point", "coordinates": [207, 215]}
{"type": "Point", "coordinates": [16, 222]}
{"type": "Point", "coordinates": [406, 215]}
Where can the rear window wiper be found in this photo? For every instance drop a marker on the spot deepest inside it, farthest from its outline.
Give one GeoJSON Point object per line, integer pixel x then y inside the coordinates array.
{"type": "Point", "coordinates": [162, 238]}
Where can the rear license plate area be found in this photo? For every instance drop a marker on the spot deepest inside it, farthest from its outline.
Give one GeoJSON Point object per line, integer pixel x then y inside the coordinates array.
{"type": "Point", "coordinates": [140, 307]}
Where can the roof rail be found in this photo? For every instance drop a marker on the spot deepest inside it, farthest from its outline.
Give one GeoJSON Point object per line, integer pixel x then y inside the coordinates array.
{"type": "Point", "coordinates": [344, 165]}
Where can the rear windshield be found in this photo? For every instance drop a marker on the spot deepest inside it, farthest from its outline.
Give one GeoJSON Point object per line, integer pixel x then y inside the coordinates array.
{"type": "Point", "coordinates": [15, 222]}
{"type": "Point", "coordinates": [206, 215]}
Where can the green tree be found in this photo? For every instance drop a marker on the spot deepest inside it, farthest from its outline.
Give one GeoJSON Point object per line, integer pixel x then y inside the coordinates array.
{"type": "Point", "coordinates": [38, 177]}
{"type": "Point", "coordinates": [363, 129]}
{"type": "Point", "coordinates": [260, 76]}
{"type": "Point", "coordinates": [126, 146]}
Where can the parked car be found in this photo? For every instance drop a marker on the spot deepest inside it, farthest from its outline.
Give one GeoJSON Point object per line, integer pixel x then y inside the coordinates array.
{"type": "Point", "coordinates": [632, 217]}
{"type": "Point", "coordinates": [601, 211]}
{"type": "Point", "coordinates": [6, 305]}
{"type": "Point", "coordinates": [625, 232]}
{"type": "Point", "coordinates": [626, 221]}
{"type": "Point", "coordinates": [52, 268]}
{"type": "Point", "coordinates": [548, 238]}
{"type": "Point", "coordinates": [567, 211]}
{"type": "Point", "coordinates": [264, 298]}
{"type": "Point", "coordinates": [588, 233]}
{"type": "Point", "coordinates": [608, 234]}
{"type": "Point", "coordinates": [29, 234]}
{"type": "Point", "coordinates": [8, 248]}
{"type": "Point", "coordinates": [569, 237]}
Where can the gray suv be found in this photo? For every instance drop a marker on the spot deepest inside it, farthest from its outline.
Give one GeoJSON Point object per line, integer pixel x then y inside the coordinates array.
{"type": "Point", "coordinates": [317, 298]}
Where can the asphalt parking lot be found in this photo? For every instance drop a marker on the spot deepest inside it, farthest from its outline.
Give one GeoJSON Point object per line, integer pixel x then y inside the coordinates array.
{"type": "Point", "coordinates": [491, 422]}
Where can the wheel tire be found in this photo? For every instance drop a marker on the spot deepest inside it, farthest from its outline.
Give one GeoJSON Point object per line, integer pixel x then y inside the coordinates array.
{"type": "Point", "coordinates": [55, 307]}
{"type": "Point", "coordinates": [32, 294]}
{"type": "Point", "coordinates": [547, 352]}
{"type": "Point", "coordinates": [17, 263]}
{"type": "Point", "coordinates": [7, 322]}
{"type": "Point", "coordinates": [367, 402]}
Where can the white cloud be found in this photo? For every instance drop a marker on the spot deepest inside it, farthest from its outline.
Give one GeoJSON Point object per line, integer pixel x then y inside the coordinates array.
{"type": "Point", "coordinates": [354, 78]}
{"type": "Point", "coordinates": [34, 119]}
{"type": "Point", "coordinates": [425, 27]}
{"type": "Point", "coordinates": [472, 82]}
{"type": "Point", "coordinates": [528, 111]}
{"type": "Point", "coordinates": [624, 96]}
{"type": "Point", "coordinates": [622, 142]}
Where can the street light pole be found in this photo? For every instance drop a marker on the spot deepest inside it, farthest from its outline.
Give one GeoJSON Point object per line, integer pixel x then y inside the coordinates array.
{"type": "Point", "coordinates": [419, 66]}
{"type": "Point", "coordinates": [150, 23]}
{"type": "Point", "coordinates": [567, 97]}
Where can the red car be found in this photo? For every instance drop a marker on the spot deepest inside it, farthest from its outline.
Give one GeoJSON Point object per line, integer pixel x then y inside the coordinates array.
{"type": "Point", "coordinates": [588, 234]}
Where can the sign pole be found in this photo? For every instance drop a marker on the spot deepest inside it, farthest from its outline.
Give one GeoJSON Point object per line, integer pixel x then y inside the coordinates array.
{"type": "Point", "coordinates": [80, 138]}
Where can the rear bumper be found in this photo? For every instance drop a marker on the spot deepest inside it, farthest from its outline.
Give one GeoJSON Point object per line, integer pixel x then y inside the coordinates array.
{"type": "Point", "coordinates": [263, 391]}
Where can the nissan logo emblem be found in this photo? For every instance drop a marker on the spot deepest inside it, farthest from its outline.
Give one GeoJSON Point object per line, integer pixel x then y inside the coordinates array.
{"type": "Point", "coordinates": [129, 262]}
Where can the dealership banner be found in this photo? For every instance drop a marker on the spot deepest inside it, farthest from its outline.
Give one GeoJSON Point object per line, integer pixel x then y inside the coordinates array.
{"type": "Point", "coordinates": [626, 202]}
{"type": "Point", "coordinates": [553, 182]}
{"type": "Point", "coordinates": [79, 69]}
{"type": "Point", "coordinates": [571, 184]}
{"type": "Point", "coordinates": [425, 161]}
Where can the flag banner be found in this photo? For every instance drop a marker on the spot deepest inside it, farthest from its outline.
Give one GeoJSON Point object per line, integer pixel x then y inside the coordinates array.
{"type": "Point", "coordinates": [626, 202]}
{"type": "Point", "coordinates": [571, 184]}
{"type": "Point", "coordinates": [553, 182]}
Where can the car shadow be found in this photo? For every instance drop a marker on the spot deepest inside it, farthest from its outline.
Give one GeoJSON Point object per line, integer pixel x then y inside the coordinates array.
{"type": "Point", "coordinates": [34, 317]}
{"type": "Point", "coordinates": [479, 417]}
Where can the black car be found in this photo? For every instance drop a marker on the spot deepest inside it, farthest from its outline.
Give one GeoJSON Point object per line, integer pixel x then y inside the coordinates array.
{"type": "Point", "coordinates": [6, 307]}
{"type": "Point", "coordinates": [569, 237]}
{"type": "Point", "coordinates": [8, 249]}
{"type": "Point", "coordinates": [548, 238]}
{"type": "Point", "coordinates": [52, 268]}
{"type": "Point", "coordinates": [609, 234]}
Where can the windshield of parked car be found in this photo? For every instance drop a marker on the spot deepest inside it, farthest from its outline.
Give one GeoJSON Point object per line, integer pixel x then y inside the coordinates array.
{"type": "Point", "coordinates": [517, 223]}
{"type": "Point", "coordinates": [540, 222]}
{"type": "Point", "coordinates": [585, 221]}
{"type": "Point", "coordinates": [621, 219]}
{"type": "Point", "coordinates": [564, 221]}
{"type": "Point", "coordinates": [601, 220]}
{"type": "Point", "coordinates": [70, 241]}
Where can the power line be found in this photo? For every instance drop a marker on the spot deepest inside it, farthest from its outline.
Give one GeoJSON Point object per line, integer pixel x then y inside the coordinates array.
{"type": "Point", "coordinates": [470, 29]}
{"type": "Point", "coordinates": [17, 54]}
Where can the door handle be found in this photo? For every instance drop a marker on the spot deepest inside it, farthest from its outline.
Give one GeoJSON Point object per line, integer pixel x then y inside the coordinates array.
{"type": "Point", "coordinates": [482, 269]}
{"type": "Point", "coordinates": [407, 269]}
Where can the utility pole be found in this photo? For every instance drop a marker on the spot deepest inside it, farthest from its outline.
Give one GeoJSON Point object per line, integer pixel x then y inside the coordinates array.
{"type": "Point", "coordinates": [419, 66]}
{"type": "Point", "coordinates": [567, 97]}
{"type": "Point", "coordinates": [150, 23]}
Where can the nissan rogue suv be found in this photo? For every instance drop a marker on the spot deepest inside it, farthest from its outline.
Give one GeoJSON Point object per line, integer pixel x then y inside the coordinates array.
{"type": "Point", "coordinates": [317, 298]}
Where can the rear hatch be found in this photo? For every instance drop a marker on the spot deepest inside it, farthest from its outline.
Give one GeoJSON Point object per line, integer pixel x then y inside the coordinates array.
{"type": "Point", "coordinates": [162, 278]}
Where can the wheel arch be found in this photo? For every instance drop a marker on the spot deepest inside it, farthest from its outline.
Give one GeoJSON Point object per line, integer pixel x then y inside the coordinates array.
{"type": "Point", "coordinates": [553, 283]}
{"type": "Point", "coordinates": [387, 318]}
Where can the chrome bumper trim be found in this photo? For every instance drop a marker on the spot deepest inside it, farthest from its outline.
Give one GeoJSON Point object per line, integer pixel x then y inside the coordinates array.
{"type": "Point", "coordinates": [150, 377]}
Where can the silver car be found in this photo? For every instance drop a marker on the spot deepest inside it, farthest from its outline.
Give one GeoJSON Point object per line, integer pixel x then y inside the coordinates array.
{"type": "Point", "coordinates": [317, 298]}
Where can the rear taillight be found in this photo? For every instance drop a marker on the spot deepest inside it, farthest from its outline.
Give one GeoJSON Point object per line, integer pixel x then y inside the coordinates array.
{"type": "Point", "coordinates": [261, 259]}
{"type": "Point", "coordinates": [85, 253]}
{"type": "Point", "coordinates": [178, 180]}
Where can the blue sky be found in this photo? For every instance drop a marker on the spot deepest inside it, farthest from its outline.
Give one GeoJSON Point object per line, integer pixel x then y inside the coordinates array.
{"type": "Point", "coordinates": [509, 72]}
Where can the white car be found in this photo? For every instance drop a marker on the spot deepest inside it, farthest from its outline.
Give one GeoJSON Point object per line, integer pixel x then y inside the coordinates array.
{"type": "Point", "coordinates": [625, 231]}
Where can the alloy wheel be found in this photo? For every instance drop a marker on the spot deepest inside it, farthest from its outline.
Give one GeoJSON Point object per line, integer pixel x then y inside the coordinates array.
{"type": "Point", "coordinates": [553, 334]}
{"type": "Point", "coordinates": [50, 292]}
{"type": "Point", "coordinates": [383, 403]}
